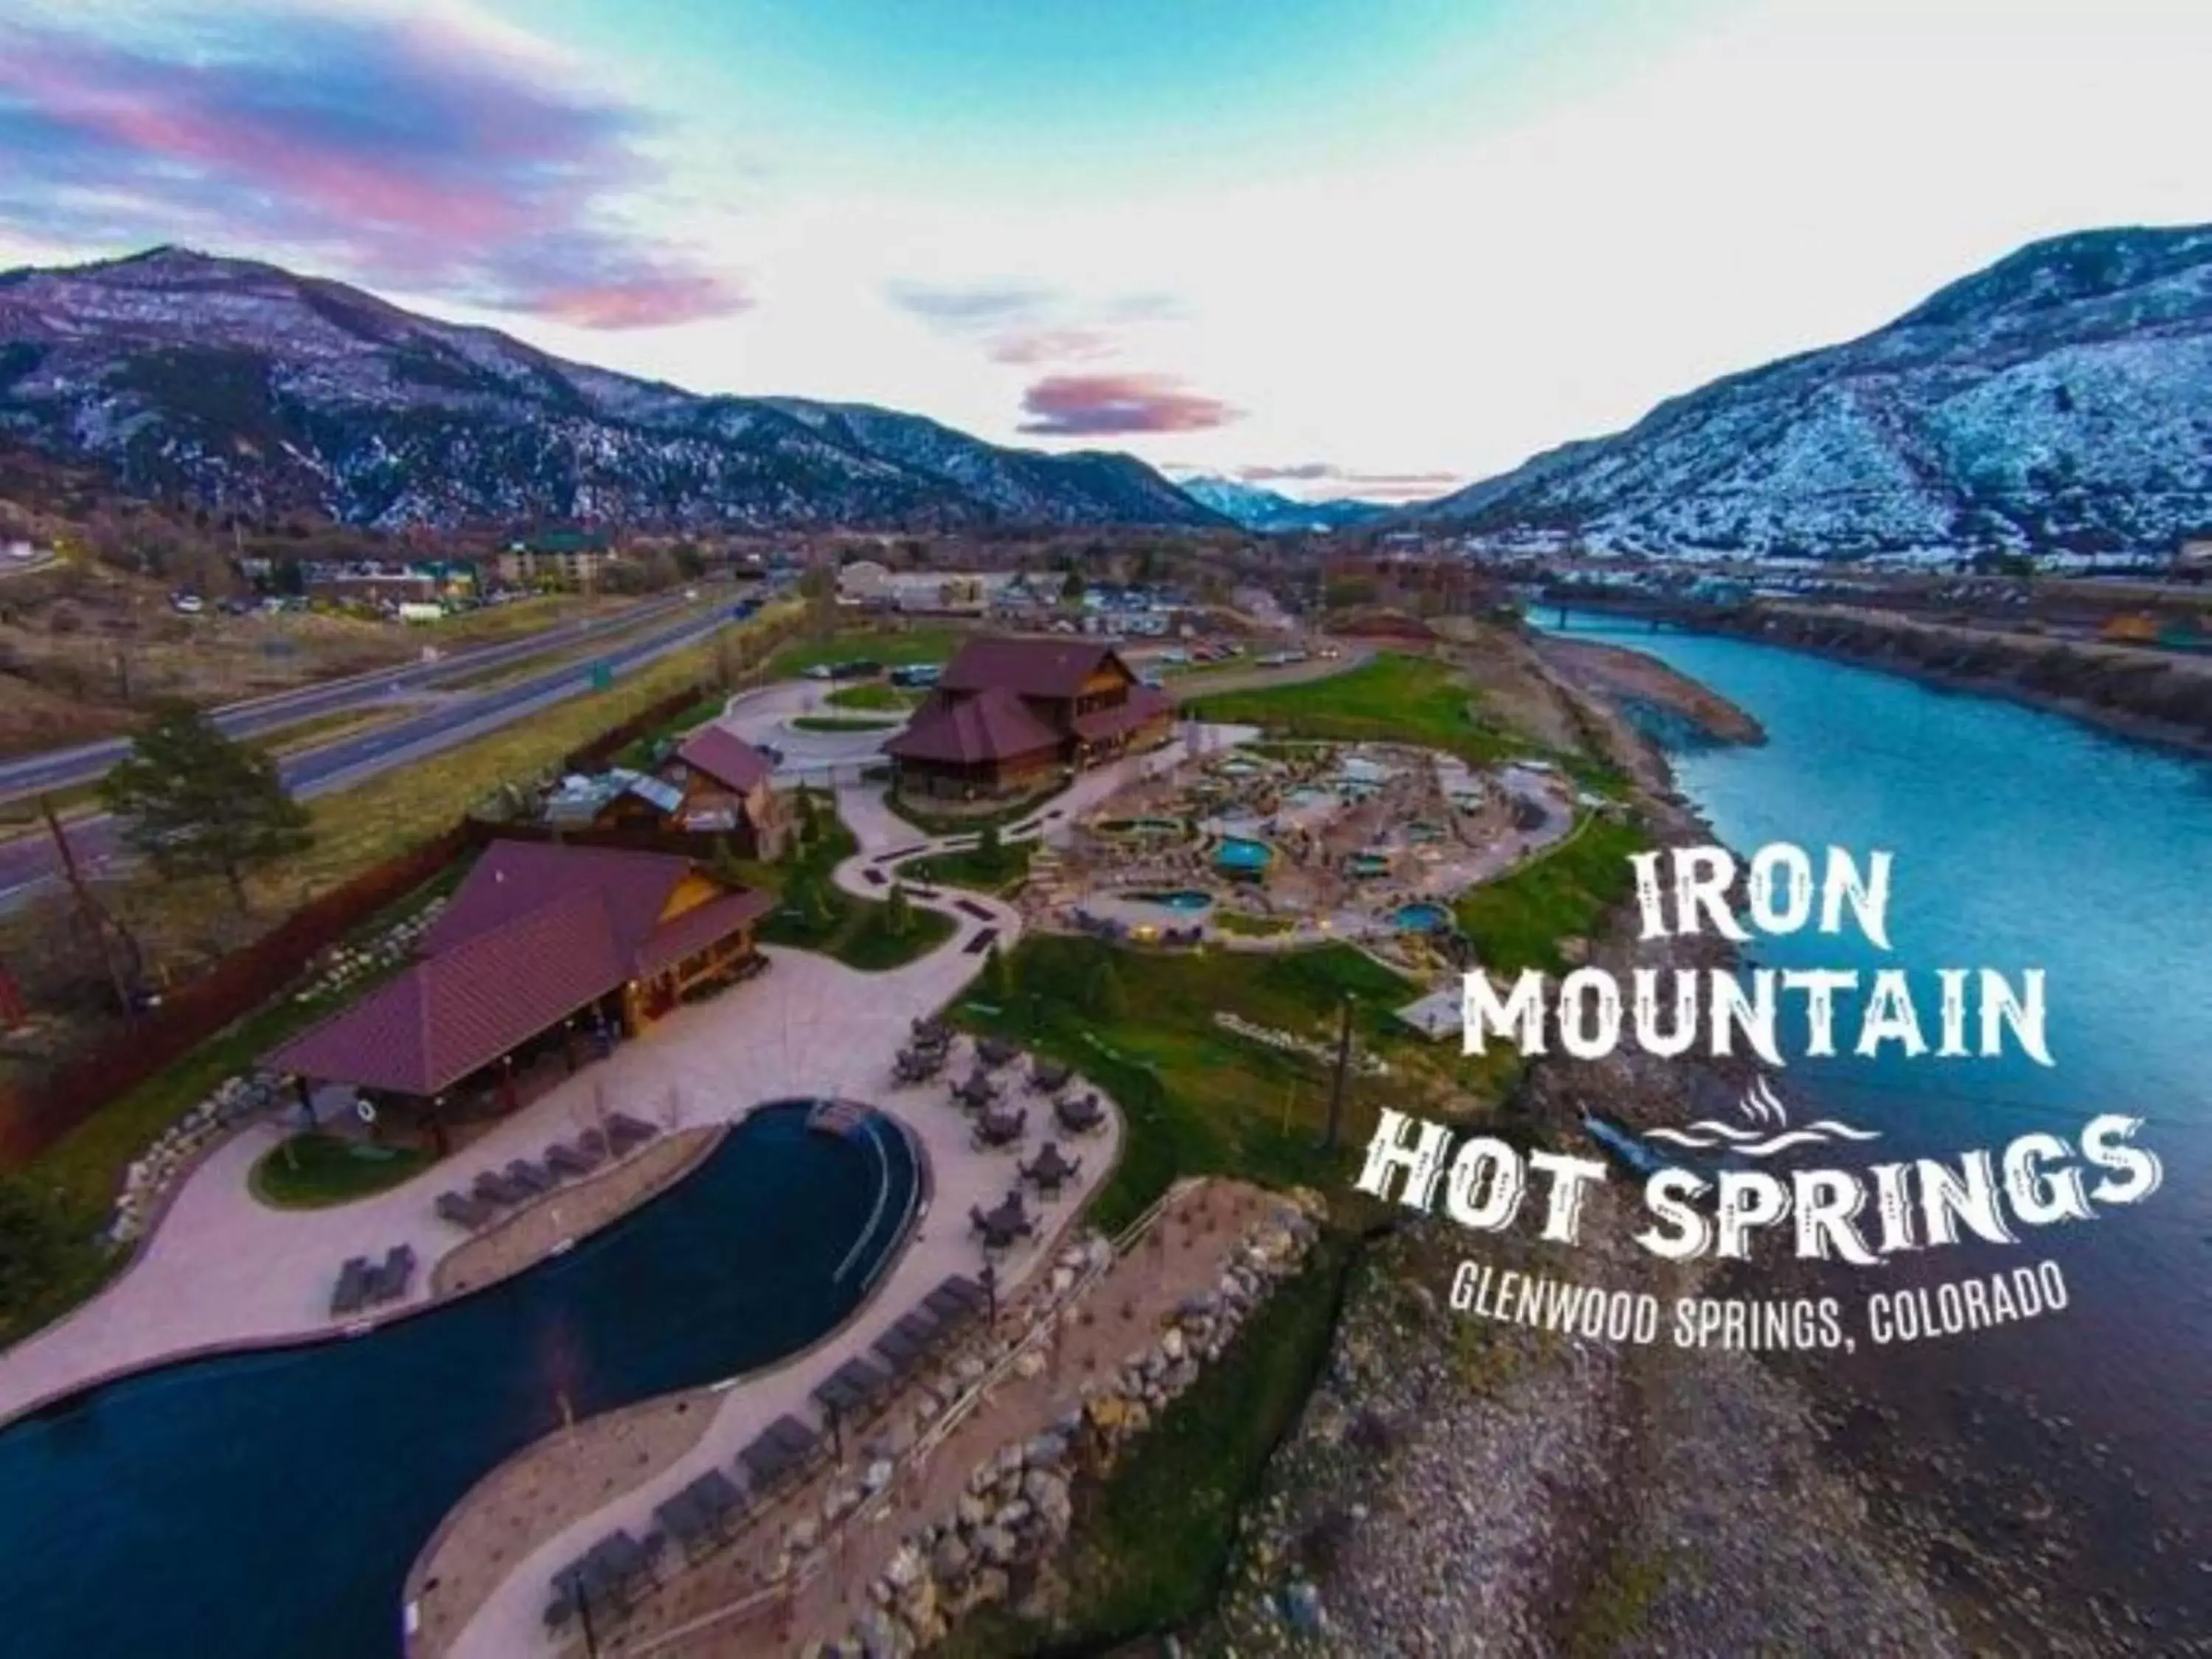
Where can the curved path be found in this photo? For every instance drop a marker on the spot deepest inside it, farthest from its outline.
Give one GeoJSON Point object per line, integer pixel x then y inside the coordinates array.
{"type": "Point", "coordinates": [839, 1042]}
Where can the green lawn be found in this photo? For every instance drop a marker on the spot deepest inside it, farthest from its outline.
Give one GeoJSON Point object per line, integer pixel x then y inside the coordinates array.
{"type": "Point", "coordinates": [840, 723]}
{"type": "Point", "coordinates": [1153, 1540]}
{"type": "Point", "coordinates": [972, 868]}
{"type": "Point", "coordinates": [918, 814]}
{"type": "Point", "coordinates": [1198, 1098]}
{"type": "Point", "coordinates": [891, 648]}
{"type": "Point", "coordinates": [873, 694]}
{"type": "Point", "coordinates": [1392, 699]}
{"type": "Point", "coordinates": [857, 931]}
{"type": "Point", "coordinates": [1236, 921]}
{"type": "Point", "coordinates": [1519, 921]}
{"type": "Point", "coordinates": [311, 1171]}
{"type": "Point", "coordinates": [649, 751]}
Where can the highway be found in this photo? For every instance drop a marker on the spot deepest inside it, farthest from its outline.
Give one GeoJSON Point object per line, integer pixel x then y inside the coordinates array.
{"type": "Point", "coordinates": [29, 861]}
{"type": "Point", "coordinates": [59, 769]}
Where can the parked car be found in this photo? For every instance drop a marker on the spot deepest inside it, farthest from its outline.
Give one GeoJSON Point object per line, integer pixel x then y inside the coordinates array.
{"type": "Point", "coordinates": [859, 668]}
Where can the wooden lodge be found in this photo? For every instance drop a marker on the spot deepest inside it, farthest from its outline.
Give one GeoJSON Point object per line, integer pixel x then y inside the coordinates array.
{"type": "Point", "coordinates": [544, 950]}
{"type": "Point", "coordinates": [1009, 716]}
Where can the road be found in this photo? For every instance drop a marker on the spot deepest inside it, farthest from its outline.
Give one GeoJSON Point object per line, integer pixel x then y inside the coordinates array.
{"type": "Point", "coordinates": [59, 769]}
{"type": "Point", "coordinates": [30, 861]}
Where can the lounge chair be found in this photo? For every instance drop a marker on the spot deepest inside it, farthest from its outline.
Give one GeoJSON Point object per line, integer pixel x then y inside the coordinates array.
{"type": "Point", "coordinates": [352, 1288]}
{"type": "Point", "coordinates": [533, 1178]}
{"type": "Point", "coordinates": [1047, 1077]}
{"type": "Point", "coordinates": [397, 1273]}
{"type": "Point", "coordinates": [494, 1188]}
{"type": "Point", "coordinates": [462, 1210]}
{"type": "Point", "coordinates": [566, 1161]}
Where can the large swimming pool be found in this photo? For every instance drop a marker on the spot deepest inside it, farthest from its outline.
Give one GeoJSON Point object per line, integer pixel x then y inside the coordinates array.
{"type": "Point", "coordinates": [1186, 898]}
{"type": "Point", "coordinates": [267, 1505]}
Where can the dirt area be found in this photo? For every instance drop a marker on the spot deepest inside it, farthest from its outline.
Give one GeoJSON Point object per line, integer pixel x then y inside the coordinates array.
{"type": "Point", "coordinates": [728, 1607]}
{"type": "Point", "coordinates": [1629, 677]}
{"type": "Point", "coordinates": [531, 1234]}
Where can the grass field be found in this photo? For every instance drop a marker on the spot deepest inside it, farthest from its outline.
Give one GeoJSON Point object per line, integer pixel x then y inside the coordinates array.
{"type": "Point", "coordinates": [313, 1171]}
{"type": "Point", "coordinates": [857, 931]}
{"type": "Point", "coordinates": [891, 647]}
{"type": "Point", "coordinates": [840, 723]}
{"type": "Point", "coordinates": [972, 868]}
{"type": "Point", "coordinates": [873, 694]}
{"type": "Point", "coordinates": [958, 823]}
{"type": "Point", "coordinates": [1198, 1098]}
{"type": "Point", "coordinates": [1154, 1539]}
{"type": "Point", "coordinates": [1394, 698]}
{"type": "Point", "coordinates": [1520, 920]}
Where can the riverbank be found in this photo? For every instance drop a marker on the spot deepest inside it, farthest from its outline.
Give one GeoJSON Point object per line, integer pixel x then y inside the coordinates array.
{"type": "Point", "coordinates": [2154, 697]}
{"type": "Point", "coordinates": [1649, 693]}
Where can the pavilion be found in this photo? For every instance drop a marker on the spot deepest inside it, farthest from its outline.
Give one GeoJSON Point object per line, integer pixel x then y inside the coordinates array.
{"type": "Point", "coordinates": [543, 946]}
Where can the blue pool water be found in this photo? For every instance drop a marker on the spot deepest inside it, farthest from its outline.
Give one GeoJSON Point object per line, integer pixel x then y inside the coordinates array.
{"type": "Point", "coordinates": [1420, 918]}
{"type": "Point", "coordinates": [1236, 852]}
{"type": "Point", "coordinates": [267, 1505]}
{"type": "Point", "coordinates": [1188, 898]}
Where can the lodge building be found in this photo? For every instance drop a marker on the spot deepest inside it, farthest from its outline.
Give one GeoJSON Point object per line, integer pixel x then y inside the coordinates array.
{"type": "Point", "coordinates": [542, 948]}
{"type": "Point", "coordinates": [1010, 716]}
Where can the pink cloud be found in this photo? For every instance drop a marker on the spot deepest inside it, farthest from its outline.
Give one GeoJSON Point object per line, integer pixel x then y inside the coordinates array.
{"type": "Point", "coordinates": [1051, 345]}
{"type": "Point", "coordinates": [403, 153]}
{"type": "Point", "coordinates": [1103, 406]}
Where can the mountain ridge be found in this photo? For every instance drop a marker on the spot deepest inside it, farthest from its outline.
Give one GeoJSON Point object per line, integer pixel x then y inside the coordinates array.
{"type": "Point", "coordinates": [1271, 512]}
{"type": "Point", "coordinates": [238, 384]}
{"type": "Point", "coordinates": [2059, 399]}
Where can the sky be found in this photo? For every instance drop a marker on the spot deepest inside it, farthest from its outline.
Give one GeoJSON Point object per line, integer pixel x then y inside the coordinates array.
{"type": "Point", "coordinates": [1370, 248]}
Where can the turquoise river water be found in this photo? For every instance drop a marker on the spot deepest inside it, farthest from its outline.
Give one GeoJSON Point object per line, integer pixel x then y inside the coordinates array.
{"type": "Point", "coordinates": [2021, 839]}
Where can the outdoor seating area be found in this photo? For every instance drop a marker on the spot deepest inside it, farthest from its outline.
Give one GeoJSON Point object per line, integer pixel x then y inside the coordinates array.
{"type": "Point", "coordinates": [997, 1127]}
{"type": "Point", "coordinates": [1003, 1225]}
{"type": "Point", "coordinates": [497, 1192]}
{"type": "Point", "coordinates": [1049, 1076]}
{"type": "Point", "coordinates": [1079, 1114]}
{"type": "Point", "coordinates": [1050, 1171]}
{"type": "Point", "coordinates": [602, 1586]}
{"type": "Point", "coordinates": [363, 1283]}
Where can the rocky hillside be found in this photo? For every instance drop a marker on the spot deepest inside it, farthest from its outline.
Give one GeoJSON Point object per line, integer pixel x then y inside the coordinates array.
{"type": "Point", "coordinates": [1270, 512]}
{"type": "Point", "coordinates": [244, 387]}
{"type": "Point", "coordinates": [2059, 400]}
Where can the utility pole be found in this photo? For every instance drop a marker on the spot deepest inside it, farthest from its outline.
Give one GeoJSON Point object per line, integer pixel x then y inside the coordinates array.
{"type": "Point", "coordinates": [96, 916]}
{"type": "Point", "coordinates": [1337, 1081]}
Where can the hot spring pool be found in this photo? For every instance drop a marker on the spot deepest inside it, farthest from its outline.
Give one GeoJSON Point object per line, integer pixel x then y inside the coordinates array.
{"type": "Point", "coordinates": [1421, 918]}
{"type": "Point", "coordinates": [1189, 898]}
{"type": "Point", "coordinates": [1240, 855]}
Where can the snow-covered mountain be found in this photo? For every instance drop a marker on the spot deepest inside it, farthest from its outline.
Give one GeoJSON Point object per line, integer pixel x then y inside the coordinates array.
{"type": "Point", "coordinates": [2060, 400]}
{"type": "Point", "coordinates": [1269, 511]}
{"type": "Point", "coordinates": [244, 386]}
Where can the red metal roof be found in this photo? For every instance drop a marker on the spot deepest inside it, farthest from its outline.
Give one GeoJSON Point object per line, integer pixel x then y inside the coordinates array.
{"type": "Point", "coordinates": [442, 1019]}
{"type": "Point", "coordinates": [725, 756]}
{"type": "Point", "coordinates": [1144, 704]}
{"type": "Point", "coordinates": [995, 725]}
{"type": "Point", "coordinates": [1044, 667]}
{"type": "Point", "coordinates": [514, 877]}
{"type": "Point", "coordinates": [696, 929]}
{"type": "Point", "coordinates": [538, 930]}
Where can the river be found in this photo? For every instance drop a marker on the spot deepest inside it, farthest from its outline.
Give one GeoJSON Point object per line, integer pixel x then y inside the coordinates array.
{"type": "Point", "coordinates": [2021, 839]}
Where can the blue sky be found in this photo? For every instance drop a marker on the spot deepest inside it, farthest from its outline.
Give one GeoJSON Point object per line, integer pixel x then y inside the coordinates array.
{"type": "Point", "coordinates": [1380, 247]}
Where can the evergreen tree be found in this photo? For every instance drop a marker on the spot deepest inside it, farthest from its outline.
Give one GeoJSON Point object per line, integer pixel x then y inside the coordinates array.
{"type": "Point", "coordinates": [194, 802]}
{"type": "Point", "coordinates": [898, 912]}
{"type": "Point", "coordinates": [998, 977]}
{"type": "Point", "coordinates": [990, 850]}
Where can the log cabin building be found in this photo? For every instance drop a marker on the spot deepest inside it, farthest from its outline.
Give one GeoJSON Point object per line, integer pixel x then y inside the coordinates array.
{"type": "Point", "coordinates": [1010, 716]}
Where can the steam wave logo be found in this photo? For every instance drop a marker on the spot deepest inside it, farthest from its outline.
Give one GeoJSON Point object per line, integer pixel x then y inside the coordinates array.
{"type": "Point", "coordinates": [1771, 1134]}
